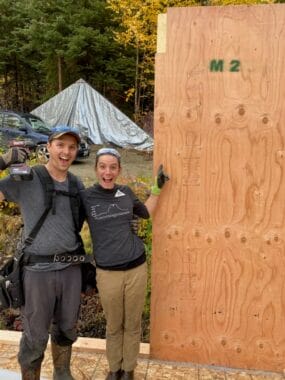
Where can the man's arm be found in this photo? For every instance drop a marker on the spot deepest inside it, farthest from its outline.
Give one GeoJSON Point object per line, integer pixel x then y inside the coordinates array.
{"type": "Point", "coordinates": [13, 156]}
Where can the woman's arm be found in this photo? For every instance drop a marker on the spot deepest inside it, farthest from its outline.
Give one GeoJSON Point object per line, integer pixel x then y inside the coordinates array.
{"type": "Point", "coordinates": [151, 203]}
{"type": "Point", "coordinates": [160, 180]}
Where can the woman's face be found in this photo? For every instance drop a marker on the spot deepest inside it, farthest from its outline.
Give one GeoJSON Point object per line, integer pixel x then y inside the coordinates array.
{"type": "Point", "coordinates": [107, 170]}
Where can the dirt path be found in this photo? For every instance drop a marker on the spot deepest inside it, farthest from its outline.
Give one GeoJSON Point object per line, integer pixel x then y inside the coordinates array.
{"type": "Point", "coordinates": [135, 164]}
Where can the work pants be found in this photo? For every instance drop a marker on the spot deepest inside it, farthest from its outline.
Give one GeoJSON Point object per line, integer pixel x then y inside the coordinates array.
{"type": "Point", "coordinates": [122, 295]}
{"type": "Point", "coordinates": [50, 297]}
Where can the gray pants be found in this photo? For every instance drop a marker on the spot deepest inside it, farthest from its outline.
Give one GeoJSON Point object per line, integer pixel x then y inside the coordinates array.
{"type": "Point", "coordinates": [50, 297]}
{"type": "Point", "coordinates": [122, 295]}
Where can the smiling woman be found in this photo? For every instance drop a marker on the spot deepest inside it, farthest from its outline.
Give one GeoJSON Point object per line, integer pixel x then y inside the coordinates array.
{"type": "Point", "coordinates": [121, 258]}
{"type": "Point", "coordinates": [108, 167]}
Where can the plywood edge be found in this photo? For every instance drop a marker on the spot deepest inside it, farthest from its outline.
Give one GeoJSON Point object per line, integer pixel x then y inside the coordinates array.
{"type": "Point", "coordinates": [161, 33]}
{"type": "Point", "coordinates": [82, 344]}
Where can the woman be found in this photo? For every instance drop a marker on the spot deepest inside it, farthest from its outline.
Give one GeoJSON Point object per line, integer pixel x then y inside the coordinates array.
{"type": "Point", "coordinates": [120, 259]}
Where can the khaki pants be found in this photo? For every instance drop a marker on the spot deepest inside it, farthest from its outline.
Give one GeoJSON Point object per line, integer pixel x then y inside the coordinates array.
{"type": "Point", "coordinates": [122, 295]}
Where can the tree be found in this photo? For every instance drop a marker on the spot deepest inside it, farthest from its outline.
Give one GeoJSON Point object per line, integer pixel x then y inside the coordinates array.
{"type": "Point", "coordinates": [48, 44]}
{"type": "Point", "coordinates": [13, 20]}
{"type": "Point", "coordinates": [138, 26]}
{"type": "Point", "coordinates": [74, 40]}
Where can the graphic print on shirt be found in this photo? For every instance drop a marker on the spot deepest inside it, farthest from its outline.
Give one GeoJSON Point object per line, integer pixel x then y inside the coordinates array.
{"type": "Point", "coordinates": [119, 193]}
{"type": "Point", "coordinates": [112, 211]}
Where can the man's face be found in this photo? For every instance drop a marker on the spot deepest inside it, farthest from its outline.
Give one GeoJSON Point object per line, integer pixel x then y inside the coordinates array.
{"type": "Point", "coordinates": [107, 170]}
{"type": "Point", "coordinates": [62, 151]}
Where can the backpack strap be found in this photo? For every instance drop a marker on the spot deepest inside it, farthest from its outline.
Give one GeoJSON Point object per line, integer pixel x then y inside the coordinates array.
{"type": "Point", "coordinates": [48, 204]}
{"type": "Point", "coordinates": [48, 186]}
{"type": "Point", "coordinates": [37, 227]}
{"type": "Point", "coordinates": [75, 202]}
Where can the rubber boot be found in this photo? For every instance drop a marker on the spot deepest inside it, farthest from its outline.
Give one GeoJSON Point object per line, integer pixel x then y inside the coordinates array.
{"type": "Point", "coordinates": [31, 374]}
{"type": "Point", "coordinates": [114, 375]}
{"type": "Point", "coordinates": [61, 356]}
{"type": "Point", "coordinates": [128, 375]}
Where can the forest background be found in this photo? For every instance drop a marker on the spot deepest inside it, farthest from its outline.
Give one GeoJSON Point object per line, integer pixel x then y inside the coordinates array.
{"type": "Point", "coordinates": [46, 45]}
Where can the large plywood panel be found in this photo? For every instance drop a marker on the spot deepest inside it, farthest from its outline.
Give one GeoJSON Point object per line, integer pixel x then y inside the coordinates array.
{"type": "Point", "coordinates": [218, 269]}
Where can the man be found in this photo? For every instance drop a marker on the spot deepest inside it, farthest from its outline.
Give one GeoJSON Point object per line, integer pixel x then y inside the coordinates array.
{"type": "Point", "coordinates": [51, 288]}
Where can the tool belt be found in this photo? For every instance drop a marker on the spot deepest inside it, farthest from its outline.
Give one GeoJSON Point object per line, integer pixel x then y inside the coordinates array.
{"type": "Point", "coordinates": [88, 270]}
{"type": "Point", "coordinates": [74, 257]}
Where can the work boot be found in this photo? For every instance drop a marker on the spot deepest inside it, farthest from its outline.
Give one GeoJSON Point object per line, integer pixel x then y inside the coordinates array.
{"type": "Point", "coordinates": [114, 375]}
{"type": "Point", "coordinates": [127, 375]}
{"type": "Point", "coordinates": [61, 356]}
{"type": "Point", "coordinates": [30, 373]}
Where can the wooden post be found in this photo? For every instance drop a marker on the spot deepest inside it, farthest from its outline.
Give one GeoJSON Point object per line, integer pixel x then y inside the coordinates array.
{"type": "Point", "coordinates": [218, 263]}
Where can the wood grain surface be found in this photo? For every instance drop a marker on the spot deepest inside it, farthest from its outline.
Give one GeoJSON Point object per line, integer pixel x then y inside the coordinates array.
{"type": "Point", "coordinates": [218, 263]}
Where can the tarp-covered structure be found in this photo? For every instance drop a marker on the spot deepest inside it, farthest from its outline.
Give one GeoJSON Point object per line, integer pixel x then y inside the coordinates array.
{"type": "Point", "coordinates": [82, 107]}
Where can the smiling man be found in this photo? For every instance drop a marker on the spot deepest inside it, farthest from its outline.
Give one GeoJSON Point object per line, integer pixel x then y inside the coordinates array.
{"type": "Point", "coordinates": [62, 147]}
{"type": "Point", "coordinates": [52, 286]}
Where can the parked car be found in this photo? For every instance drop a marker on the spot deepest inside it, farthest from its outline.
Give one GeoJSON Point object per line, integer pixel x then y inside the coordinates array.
{"type": "Point", "coordinates": [33, 130]}
{"type": "Point", "coordinates": [25, 127]}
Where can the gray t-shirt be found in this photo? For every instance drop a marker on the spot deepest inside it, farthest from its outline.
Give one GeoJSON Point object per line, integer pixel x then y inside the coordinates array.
{"type": "Point", "coordinates": [109, 214]}
{"type": "Point", "coordinates": [58, 233]}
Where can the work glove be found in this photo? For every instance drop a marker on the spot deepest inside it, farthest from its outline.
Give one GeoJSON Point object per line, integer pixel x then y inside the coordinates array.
{"type": "Point", "coordinates": [13, 156]}
{"type": "Point", "coordinates": [159, 181]}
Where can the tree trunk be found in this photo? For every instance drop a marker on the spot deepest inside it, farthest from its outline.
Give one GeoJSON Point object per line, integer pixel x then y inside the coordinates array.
{"type": "Point", "coordinates": [16, 105]}
{"type": "Point", "coordinates": [59, 72]}
{"type": "Point", "coordinates": [137, 91]}
{"type": "Point", "coordinates": [5, 86]}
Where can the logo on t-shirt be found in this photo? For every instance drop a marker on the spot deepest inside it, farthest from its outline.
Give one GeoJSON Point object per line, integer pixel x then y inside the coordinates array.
{"type": "Point", "coordinates": [119, 193]}
{"type": "Point", "coordinates": [111, 211]}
